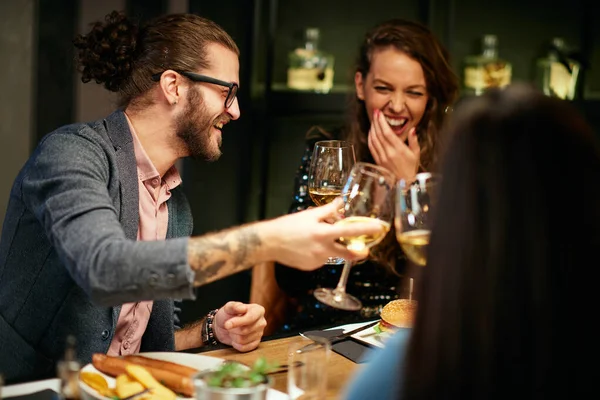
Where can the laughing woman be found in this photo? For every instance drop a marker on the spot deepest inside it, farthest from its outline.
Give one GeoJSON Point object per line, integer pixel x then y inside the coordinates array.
{"type": "Point", "coordinates": [404, 85]}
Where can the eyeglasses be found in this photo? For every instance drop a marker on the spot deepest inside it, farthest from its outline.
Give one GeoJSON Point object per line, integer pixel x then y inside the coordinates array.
{"type": "Point", "coordinates": [233, 87]}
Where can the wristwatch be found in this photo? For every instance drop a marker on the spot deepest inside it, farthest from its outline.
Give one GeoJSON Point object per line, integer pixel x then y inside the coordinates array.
{"type": "Point", "coordinates": [207, 332]}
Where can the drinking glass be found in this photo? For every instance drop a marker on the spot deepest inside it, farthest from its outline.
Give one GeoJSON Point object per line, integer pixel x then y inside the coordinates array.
{"type": "Point", "coordinates": [367, 196]}
{"type": "Point", "coordinates": [307, 373]}
{"type": "Point", "coordinates": [414, 205]}
{"type": "Point", "coordinates": [330, 166]}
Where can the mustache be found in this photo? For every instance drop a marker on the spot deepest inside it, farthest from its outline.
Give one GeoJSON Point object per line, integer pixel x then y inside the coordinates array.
{"type": "Point", "coordinates": [222, 118]}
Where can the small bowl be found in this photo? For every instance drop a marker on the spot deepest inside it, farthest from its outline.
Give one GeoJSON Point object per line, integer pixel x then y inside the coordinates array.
{"type": "Point", "coordinates": [205, 392]}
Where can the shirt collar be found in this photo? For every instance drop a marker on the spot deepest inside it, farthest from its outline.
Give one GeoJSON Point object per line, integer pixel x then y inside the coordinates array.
{"type": "Point", "coordinates": [145, 167]}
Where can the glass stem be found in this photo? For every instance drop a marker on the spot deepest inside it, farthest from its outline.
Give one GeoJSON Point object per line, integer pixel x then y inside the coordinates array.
{"type": "Point", "coordinates": [340, 291]}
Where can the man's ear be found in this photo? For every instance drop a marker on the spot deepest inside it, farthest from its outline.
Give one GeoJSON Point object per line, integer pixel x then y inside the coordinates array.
{"type": "Point", "coordinates": [359, 85]}
{"type": "Point", "coordinates": [169, 84]}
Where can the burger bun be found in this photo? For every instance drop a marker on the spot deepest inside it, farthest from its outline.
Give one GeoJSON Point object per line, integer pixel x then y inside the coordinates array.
{"type": "Point", "coordinates": [396, 314]}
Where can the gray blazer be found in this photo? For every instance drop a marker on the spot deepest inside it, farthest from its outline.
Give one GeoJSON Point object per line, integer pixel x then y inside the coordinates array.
{"type": "Point", "coordinates": [69, 255]}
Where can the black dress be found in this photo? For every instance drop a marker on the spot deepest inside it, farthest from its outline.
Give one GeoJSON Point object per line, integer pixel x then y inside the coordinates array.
{"type": "Point", "coordinates": [374, 283]}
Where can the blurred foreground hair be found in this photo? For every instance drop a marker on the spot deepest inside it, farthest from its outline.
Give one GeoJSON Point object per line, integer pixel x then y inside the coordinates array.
{"type": "Point", "coordinates": [504, 299]}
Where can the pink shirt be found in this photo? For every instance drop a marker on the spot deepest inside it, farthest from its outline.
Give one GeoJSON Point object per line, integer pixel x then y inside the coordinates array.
{"type": "Point", "coordinates": [154, 221]}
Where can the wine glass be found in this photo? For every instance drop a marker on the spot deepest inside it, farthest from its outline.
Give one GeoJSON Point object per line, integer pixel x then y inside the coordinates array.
{"type": "Point", "coordinates": [367, 198]}
{"type": "Point", "coordinates": [414, 204]}
{"type": "Point", "coordinates": [330, 166]}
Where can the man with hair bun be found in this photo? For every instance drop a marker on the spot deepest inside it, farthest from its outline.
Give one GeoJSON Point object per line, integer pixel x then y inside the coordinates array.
{"type": "Point", "coordinates": [96, 239]}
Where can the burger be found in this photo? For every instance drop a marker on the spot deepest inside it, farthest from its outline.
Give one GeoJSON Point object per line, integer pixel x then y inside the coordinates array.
{"type": "Point", "coordinates": [397, 314]}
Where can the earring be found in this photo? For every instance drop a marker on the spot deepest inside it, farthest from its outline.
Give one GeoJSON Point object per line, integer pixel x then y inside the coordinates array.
{"type": "Point", "coordinates": [174, 103]}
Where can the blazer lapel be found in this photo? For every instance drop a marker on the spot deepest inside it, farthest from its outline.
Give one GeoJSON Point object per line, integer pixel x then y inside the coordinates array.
{"type": "Point", "coordinates": [116, 310]}
{"type": "Point", "coordinates": [118, 131]}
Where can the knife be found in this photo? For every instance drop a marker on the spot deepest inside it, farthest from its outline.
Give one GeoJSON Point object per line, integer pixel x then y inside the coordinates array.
{"type": "Point", "coordinates": [333, 339]}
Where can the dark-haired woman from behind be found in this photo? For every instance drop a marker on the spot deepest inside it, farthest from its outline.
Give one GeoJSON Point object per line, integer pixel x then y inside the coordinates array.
{"type": "Point", "coordinates": [504, 302]}
{"type": "Point", "coordinates": [404, 85]}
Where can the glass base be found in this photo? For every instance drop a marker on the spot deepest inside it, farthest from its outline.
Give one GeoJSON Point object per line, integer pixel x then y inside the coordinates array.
{"type": "Point", "coordinates": [334, 261]}
{"type": "Point", "coordinates": [343, 301]}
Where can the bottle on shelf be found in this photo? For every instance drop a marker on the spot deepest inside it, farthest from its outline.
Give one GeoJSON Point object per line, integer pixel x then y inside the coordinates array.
{"type": "Point", "coordinates": [67, 370]}
{"type": "Point", "coordinates": [557, 73]}
{"type": "Point", "coordinates": [310, 69]}
{"type": "Point", "coordinates": [486, 70]}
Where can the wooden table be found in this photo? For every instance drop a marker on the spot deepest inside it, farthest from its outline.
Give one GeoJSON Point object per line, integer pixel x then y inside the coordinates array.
{"type": "Point", "coordinates": [339, 370]}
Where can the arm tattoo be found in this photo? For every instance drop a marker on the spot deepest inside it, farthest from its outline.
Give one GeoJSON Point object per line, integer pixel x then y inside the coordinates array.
{"type": "Point", "coordinates": [211, 270]}
{"type": "Point", "coordinates": [248, 241]}
{"type": "Point", "coordinates": [221, 254]}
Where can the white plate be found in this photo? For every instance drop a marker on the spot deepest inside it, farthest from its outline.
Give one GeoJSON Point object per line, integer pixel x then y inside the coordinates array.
{"type": "Point", "coordinates": [196, 361]}
{"type": "Point", "coordinates": [372, 337]}
{"type": "Point", "coordinates": [369, 336]}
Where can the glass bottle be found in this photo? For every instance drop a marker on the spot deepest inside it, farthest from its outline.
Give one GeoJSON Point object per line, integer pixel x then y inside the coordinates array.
{"type": "Point", "coordinates": [557, 73]}
{"type": "Point", "coordinates": [486, 70]}
{"type": "Point", "coordinates": [310, 69]}
{"type": "Point", "coordinates": [68, 371]}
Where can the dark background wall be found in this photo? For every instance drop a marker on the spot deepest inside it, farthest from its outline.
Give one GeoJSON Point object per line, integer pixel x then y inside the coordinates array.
{"type": "Point", "coordinates": [17, 44]}
{"type": "Point", "coordinates": [253, 179]}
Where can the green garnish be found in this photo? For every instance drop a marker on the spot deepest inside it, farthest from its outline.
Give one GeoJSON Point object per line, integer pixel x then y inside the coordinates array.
{"type": "Point", "coordinates": [377, 329]}
{"type": "Point", "coordinates": [232, 374]}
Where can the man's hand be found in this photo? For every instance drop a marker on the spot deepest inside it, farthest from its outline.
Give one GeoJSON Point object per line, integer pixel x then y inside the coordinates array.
{"type": "Point", "coordinates": [306, 239]}
{"type": "Point", "coordinates": [240, 325]}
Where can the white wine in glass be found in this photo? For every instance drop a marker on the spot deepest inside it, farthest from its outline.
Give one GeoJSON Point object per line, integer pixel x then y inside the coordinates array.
{"type": "Point", "coordinates": [367, 198]}
{"type": "Point", "coordinates": [414, 204]}
{"type": "Point", "coordinates": [362, 242]}
{"type": "Point", "coordinates": [330, 166]}
{"type": "Point", "coordinates": [324, 196]}
{"type": "Point", "coordinates": [414, 243]}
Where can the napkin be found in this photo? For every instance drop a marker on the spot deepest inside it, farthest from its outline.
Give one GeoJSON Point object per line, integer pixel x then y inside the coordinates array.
{"type": "Point", "coordinates": [349, 348]}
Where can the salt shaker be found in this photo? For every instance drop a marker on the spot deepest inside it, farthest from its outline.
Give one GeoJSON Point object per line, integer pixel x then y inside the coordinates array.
{"type": "Point", "coordinates": [68, 371]}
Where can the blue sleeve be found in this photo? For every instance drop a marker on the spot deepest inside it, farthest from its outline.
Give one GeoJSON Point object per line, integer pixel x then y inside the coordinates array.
{"type": "Point", "coordinates": [380, 376]}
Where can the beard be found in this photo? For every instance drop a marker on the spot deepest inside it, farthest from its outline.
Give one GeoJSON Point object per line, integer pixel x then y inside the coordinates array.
{"type": "Point", "coordinates": [193, 127]}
